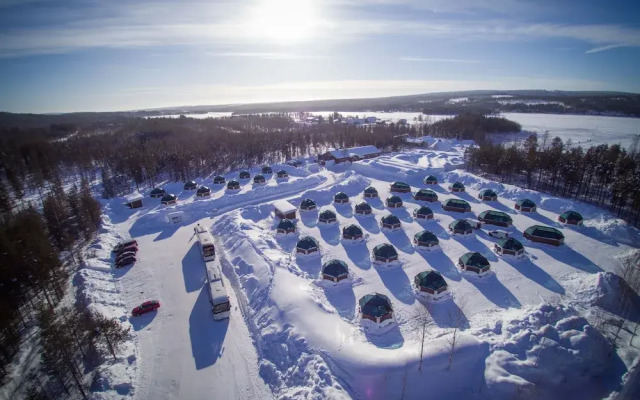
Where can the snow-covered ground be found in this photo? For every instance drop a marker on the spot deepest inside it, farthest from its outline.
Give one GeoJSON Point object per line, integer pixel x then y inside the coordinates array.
{"type": "Point", "coordinates": [523, 328]}
{"type": "Point", "coordinates": [583, 130]}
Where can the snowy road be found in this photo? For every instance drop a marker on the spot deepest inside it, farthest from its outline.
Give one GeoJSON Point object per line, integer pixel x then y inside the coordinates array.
{"type": "Point", "coordinates": [184, 353]}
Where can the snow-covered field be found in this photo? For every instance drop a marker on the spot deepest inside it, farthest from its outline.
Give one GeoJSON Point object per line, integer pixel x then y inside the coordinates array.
{"type": "Point", "coordinates": [584, 130]}
{"type": "Point", "coordinates": [524, 332]}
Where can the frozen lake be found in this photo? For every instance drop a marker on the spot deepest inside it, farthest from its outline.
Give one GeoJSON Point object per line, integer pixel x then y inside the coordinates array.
{"type": "Point", "coordinates": [585, 130]}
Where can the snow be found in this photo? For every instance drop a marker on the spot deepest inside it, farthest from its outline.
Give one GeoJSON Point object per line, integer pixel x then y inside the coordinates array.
{"type": "Point", "coordinates": [524, 327]}
{"type": "Point", "coordinates": [584, 130]}
{"type": "Point", "coordinates": [133, 197]}
{"type": "Point", "coordinates": [284, 206]}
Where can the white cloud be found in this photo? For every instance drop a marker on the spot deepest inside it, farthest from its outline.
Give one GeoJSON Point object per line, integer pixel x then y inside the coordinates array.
{"type": "Point", "coordinates": [270, 55]}
{"type": "Point", "coordinates": [441, 60]}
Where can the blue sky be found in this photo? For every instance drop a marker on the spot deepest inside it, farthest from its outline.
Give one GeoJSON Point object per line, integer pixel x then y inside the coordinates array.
{"type": "Point", "coordinates": [93, 55]}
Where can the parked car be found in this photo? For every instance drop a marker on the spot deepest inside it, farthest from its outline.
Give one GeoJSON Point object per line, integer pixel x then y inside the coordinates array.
{"type": "Point", "coordinates": [126, 254]}
{"type": "Point", "coordinates": [125, 261]}
{"type": "Point", "coordinates": [475, 224]}
{"type": "Point", "coordinates": [145, 307]}
{"type": "Point", "coordinates": [123, 250]}
{"type": "Point", "coordinates": [124, 244]}
{"type": "Point", "coordinates": [499, 234]}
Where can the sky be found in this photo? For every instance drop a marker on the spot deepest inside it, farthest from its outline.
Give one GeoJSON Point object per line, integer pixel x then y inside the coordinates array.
{"type": "Point", "coordinates": [96, 55]}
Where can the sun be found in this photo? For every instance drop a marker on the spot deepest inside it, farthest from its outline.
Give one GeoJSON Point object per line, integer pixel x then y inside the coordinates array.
{"type": "Point", "coordinates": [283, 22]}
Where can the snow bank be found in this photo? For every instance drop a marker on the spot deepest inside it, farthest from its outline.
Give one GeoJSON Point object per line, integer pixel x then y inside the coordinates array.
{"type": "Point", "coordinates": [548, 353]}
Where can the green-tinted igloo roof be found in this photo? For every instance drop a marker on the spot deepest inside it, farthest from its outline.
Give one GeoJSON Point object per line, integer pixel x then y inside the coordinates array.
{"type": "Point", "coordinates": [282, 172]}
{"type": "Point", "coordinates": [375, 305]}
{"type": "Point", "coordinates": [244, 173]}
{"type": "Point", "coordinates": [544, 231]}
{"type": "Point", "coordinates": [526, 203]}
{"type": "Point", "coordinates": [157, 191]}
{"type": "Point", "coordinates": [424, 210]}
{"type": "Point", "coordinates": [430, 279]}
{"type": "Point", "coordinates": [385, 250]}
{"type": "Point", "coordinates": [488, 193]}
{"type": "Point", "coordinates": [335, 268]}
{"type": "Point", "coordinates": [233, 183]}
{"type": "Point", "coordinates": [307, 243]}
{"type": "Point", "coordinates": [400, 185]}
{"type": "Point", "coordinates": [371, 190]}
{"type": "Point", "coordinates": [431, 178]}
{"type": "Point", "coordinates": [363, 206]}
{"type": "Point", "coordinates": [258, 178]}
{"type": "Point", "coordinates": [460, 224]}
{"type": "Point", "coordinates": [306, 203]}
{"type": "Point", "coordinates": [426, 193]}
{"type": "Point", "coordinates": [190, 184]}
{"type": "Point", "coordinates": [266, 170]}
{"type": "Point", "coordinates": [457, 185]}
{"type": "Point", "coordinates": [390, 219]}
{"type": "Point", "coordinates": [168, 197]}
{"type": "Point", "coordinates": [394, 199]}
{"type": "Point", "coordinates": [203, 189]}
{"type": "Point", "coordinates": [474, 259]}
{"type": "Point", "coordinates": [286, 224]}
{"type": "Point", "coordinates": [426, 237]}
{"type": "Point", "coordinates": [497, 216]}
{"type": "Point", "coordinates": [341, 196]}
{"type": "Point", "coordinates": [510, 244]}
{"type": "Point", "coordinates": [327, 214]}
{"type": "Point", "coordinates": [571, 215]}
{"type": "Point", "coordinates": [352, 230]}
{"type": "Point", "coordinates": [456, 203]}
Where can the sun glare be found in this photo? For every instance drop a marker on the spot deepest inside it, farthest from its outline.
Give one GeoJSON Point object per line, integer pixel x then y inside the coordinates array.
{"type": "Point", "coordinates": [284, 22]}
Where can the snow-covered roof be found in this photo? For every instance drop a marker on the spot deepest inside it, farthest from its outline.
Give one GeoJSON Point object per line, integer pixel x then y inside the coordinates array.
{"type": "Point", "coordinates": [284, 206]}
{"type": "Point", "coordinates": [133, 197]}
{"type": "Point", "coordinates": [355, 151]}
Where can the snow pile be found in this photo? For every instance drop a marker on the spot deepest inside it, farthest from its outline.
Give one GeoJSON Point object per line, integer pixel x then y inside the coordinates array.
{"type": "Point", "coordinates": [98, 289]}
{"type": "Point", "coordinates": [441, 145]}
{"type": "Point", "coordinates": [550, 353]}
{"type": "Point", "coordinates": [607, 295]}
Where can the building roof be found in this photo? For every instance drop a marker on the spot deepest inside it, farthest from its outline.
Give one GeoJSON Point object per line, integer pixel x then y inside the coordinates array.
{"type": "Point", "coordinates": [361, 151]}
{"type": "Point", "coordinates": [133, 197]}
{"type": "Point", "coordinates": [233, 183]}
{"type": "Point", "coordinates": [497, 216]}
{"type": "Point", "coordinates": [168, 197]}
{"type": "Point", "coordinates": [190, 184]}
{"type": "Point", "coordinates": [545, 232]}
{"type": "Point", "coordinates": [394, 199]}
{"type": "Point", "coordinates": [218, 178]}
{"type": "Point", "coordinates": [306, 203]}
{"type": "Point", "coordinates": [474, 259]}
{"type": "Point", "coordinates": [157, 191]}
{"type": "Point", "coordinates": [430, 279]}
{"type": "Point", "coordinates": [426, 193]}
{"type": "Point", "coordinates": [457, 185]}
{"type": "Point", "coordinates": [341, 196]}
{"type": "Point", "coordinates": [284, 206]}
{"type": "Point", "coordinates": [203, 189]}
{"type": "Point", "coordinates": [363, 206]}
{"type": "Point", "coordinates": [431, 178]}
{"type": "Point", "coordinates": [456, 203]}
{"type": "Point", "coordinates": [385, 250]}
{"type": "Point", "coordinates": [571, 215]}
{"type": "Point", "coordinates": [488, 193]}
{"type": "Point", "coordinates": [370, 189]}
{"type": "Point", "coordinates": [375, 304]}
{"type": "Point", "coordinates": [460, 224]}
{"type": "Point", "coordinates": [327, 214]}
{"type": "Point", "coordinates": [426, 237]}
{"type": "Point", "coordinates": [307, 243]}
{"type": "Point", "coordinates": [286, 224]}
{"type": "Point", "coordinates": [526, 203]}
{"type": "Point", "coordinates": [283, 172]}
{"type": "Point", "coordinates": [424, 210]}
{"type": "Point", "coordinates": [335, 268]}
{"type": "Point", "coordinates": [510, 244]}
{"type": "Point", "coordinates": [267, 170]}
{"type": "Point", "coordinates": [352, 230]}
{"type": "Point", "coordinates": [390, 219]}
{"type": "Point", "coordinates": [400, 185]}
{"type": "Point", "coordinates": [245, 173]}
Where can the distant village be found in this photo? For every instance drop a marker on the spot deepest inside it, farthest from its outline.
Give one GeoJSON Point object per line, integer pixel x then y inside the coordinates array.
{"type": "Point", "coordinates": [308, 119]}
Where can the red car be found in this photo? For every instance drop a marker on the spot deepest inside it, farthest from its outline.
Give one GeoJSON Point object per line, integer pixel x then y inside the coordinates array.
{"type": "Point", "coordinates": [145, 307]}
{"type": "Point", "coordinates": [125, 249]}
{"type": "Point", "coordinates": [121, 245]}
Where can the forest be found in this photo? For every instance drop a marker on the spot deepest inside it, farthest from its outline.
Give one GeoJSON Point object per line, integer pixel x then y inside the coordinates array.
{"type": "Point", "coordinates": [608, 176]}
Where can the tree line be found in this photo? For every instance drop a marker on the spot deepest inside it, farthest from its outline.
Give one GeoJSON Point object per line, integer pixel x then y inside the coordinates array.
{"type": "Point", "coordinates": [605, 175]}
{"type": "Point", "coordinates": [39, 250]}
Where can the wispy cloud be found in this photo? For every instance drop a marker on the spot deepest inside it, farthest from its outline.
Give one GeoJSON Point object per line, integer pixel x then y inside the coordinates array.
{"type": "Point", "coordinates": [270, 56]}
{"type": "Point", "coordinates": [604, 48]}
{"type": "Point", "coordinates": [441, 60]}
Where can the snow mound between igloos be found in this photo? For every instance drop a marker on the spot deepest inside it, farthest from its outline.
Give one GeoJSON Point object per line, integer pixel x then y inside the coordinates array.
{"type": "Point", "coordinates": [549, 353]}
